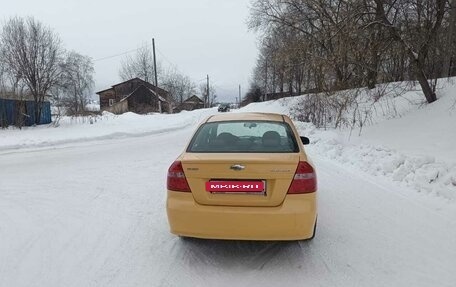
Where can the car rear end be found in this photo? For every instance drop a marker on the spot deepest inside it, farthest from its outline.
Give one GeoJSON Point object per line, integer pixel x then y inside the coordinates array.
{"type": "Point", "coordinates": [243, 177]}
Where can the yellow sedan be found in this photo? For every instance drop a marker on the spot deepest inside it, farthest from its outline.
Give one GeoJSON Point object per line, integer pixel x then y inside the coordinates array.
{"type": "Point", "coordinates": [243, 176]}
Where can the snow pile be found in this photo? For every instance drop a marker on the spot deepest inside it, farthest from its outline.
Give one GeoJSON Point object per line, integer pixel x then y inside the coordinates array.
{"type": "Point", "coordinates": [92, 107]}
{"type": "Point", "coordinates": [420, 172]}
{"type": "Point", "coordinates": [406, 141]}
{"type": "Point", "coordinates": [107, 126]}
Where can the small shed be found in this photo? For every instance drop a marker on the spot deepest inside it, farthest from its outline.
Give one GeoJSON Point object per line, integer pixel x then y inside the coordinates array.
{"type": "Point", "coordinates": [190, 104]}
{"type": "Point", "coordinates": [136, 96]}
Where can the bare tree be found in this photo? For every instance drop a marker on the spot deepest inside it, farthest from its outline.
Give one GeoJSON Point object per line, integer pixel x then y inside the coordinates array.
{"type": "Point", "coordinates": [32, 52]}
{"type": "Point", "coordinates": [253, 95]}
{"type": "Point", "coordinates": [76, 82]}
{"type": "Point", "coordinates": [3, 74]}
{"type": "Point", "coordinates": [450, 55]}
{"type": "Point", "coordinates": [179, 86]}
{"type": "Point", "coordinates": [328, 45]}
{"type": "Point", "coordinates": [417, 32]}
{"type": "Point", "coordinates": [140, 65]}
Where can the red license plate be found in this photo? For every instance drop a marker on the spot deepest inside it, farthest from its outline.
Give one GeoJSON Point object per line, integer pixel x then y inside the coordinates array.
{"type": "Point", "coordinates": [235, 186]}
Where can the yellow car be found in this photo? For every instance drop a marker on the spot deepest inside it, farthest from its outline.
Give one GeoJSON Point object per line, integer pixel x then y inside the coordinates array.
{"type": "Point", "coordinates": [243, 176]}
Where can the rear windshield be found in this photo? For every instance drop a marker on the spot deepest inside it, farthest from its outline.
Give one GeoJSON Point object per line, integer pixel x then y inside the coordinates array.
{"type": "Point", "coordinates": [244, 137]}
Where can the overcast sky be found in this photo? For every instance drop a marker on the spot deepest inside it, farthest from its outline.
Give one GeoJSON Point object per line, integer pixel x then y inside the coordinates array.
{"type": "Point", "coordinates": [198, 36]}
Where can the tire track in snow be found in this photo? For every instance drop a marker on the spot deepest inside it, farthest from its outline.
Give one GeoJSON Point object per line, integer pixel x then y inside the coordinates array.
{"type": "Point", "coordinates": [98, 218]}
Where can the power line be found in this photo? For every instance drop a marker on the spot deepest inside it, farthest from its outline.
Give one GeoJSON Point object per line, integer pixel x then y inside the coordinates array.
{"type": "Point", "coordinates": [176, 66]}
{"type": "Point", "coordinates": [173, 65]}
{"type": "Point", "coordinates": [117, 55]}
{"type": "Point", "coordinates": [166, 59]}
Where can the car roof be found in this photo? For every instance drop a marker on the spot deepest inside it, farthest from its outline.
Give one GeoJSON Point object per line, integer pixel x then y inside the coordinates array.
{"type": "Point", "coordinates": [246, 117]}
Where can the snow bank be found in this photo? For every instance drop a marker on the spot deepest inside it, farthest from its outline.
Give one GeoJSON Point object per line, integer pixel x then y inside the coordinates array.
{"type": "Point", "coordinates": [107, 126]}
{"type": "Point", "coordinates": [407, 141]}
{"type": "Point", "coordinates": [420, 172]}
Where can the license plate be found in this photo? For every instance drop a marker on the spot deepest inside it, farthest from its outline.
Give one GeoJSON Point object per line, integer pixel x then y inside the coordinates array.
{"type": "Point", "coordinates": [227, 186]}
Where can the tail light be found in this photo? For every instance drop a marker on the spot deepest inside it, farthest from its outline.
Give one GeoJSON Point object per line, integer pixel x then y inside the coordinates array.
{"type": "Point", "coordinates": [304, 180]}
{"type": "Point", "coordinates": [176, 180]}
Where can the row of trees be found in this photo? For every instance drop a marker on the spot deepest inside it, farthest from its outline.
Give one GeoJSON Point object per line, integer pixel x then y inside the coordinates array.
{"type": "Point", "coordinates": [34, 63]}
{"type": "Point", "coordinates": [327, 45]}
{"type": "Point", "coordinates": [179, 85]}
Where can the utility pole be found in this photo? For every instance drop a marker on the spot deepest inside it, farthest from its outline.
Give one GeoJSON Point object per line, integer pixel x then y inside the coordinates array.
{"type": "Point", "coordinates": [155, 62]}
{"type": "Point", "coordinates": [240, 99]}
{"type": "Point", "coordinates": [207, 92]}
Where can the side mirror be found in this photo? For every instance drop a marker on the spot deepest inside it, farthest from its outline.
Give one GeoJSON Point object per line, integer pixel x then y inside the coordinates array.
{"type": "Point", "coordinates": [305, 140]}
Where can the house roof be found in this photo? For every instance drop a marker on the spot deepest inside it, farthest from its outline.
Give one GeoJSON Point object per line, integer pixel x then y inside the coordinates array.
{"type": "Point", "coordinates": [147, 84]}
{"type": "Point", "coordinates": [103, 91]}
{"type": "Point", "coordinates": [193, 99]}
{"type": "Point", "coordinates": [158, 91]}
{"type": "Point", "coordinates": [133, 79]}
{"type": "Point", "coordinates": [160, 98]}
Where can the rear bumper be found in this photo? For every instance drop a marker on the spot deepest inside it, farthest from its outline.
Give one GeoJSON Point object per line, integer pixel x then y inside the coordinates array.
{"type": "Point", "coordinates": [293, 220]}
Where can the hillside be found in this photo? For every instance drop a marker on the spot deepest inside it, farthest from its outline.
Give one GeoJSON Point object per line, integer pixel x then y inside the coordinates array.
{"type": "Point", "coordinates": [406, 141]}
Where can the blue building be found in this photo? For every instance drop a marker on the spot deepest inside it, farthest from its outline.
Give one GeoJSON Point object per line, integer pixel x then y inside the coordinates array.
{"type": "Point", "coordinates": [22, 113]}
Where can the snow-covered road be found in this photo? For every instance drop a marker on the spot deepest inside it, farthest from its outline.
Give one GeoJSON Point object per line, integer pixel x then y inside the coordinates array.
{"type": "Point", "coordinates": [93, 214]}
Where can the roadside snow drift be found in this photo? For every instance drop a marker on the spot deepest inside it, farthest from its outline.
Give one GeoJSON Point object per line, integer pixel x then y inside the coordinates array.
{"type": "Point", "coordinates": [107, 126]}
{"type": "Point", "coordinates": [407, 141]}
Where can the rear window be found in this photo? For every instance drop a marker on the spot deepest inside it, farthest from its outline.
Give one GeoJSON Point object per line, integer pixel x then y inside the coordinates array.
{"type": "Point", "coordinates": [244, 137]}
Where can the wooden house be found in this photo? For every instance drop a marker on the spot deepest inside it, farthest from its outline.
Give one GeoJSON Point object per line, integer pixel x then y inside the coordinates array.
{"type": "Point", "coordinates": [190, 104]}
{"type": "Point", "coordinates": [136, 96]}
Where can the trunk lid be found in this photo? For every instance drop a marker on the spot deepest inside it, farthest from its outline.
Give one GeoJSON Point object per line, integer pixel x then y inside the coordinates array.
{"type": "Point", "coordinates": [276, 170]}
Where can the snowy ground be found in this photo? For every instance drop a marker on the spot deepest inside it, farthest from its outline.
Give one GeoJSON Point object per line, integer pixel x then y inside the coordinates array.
{"type": "Point", "coordinates": [93, 215]}
{"type": "Point", "coordinates": [107, 126]}
{"type": "Point", "coordinates": [83, 205]}
{"type": "Point", "coordinates": [412, 144]}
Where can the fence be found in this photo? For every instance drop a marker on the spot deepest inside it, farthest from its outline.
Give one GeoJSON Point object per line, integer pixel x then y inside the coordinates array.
{"type": "Point", "coordinates": [22, 113]}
